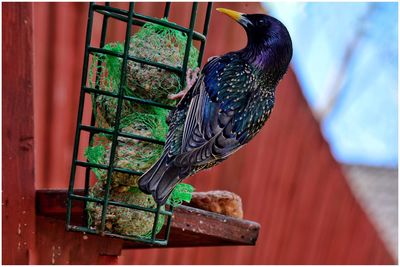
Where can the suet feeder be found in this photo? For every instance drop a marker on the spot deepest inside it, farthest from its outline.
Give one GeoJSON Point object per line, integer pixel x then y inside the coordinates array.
{"type": "Point", "coordinates": [127, 84]}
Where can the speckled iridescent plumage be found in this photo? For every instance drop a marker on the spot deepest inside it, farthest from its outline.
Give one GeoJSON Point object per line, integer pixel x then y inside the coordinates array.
{"type": "Point", "coordinates": [226, 107]}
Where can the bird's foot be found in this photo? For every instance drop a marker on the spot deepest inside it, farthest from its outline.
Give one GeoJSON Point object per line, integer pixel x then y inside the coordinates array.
{"type": "Point", "coordinates": [179, 95]}
{"type": "Point", "coordinates": [191, 78]}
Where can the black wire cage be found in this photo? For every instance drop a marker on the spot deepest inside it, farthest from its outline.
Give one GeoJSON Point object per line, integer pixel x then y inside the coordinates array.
{"type": "Point", "coordinates": [130, 19]}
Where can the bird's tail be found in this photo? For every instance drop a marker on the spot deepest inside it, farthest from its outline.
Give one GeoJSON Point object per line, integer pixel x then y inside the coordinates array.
{"type": "Point", "coordinates": [160, 180]}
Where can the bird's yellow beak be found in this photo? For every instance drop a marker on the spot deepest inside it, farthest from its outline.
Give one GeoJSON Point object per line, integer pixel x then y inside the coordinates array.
{"type": "Point", "coordinates": [233, 14]}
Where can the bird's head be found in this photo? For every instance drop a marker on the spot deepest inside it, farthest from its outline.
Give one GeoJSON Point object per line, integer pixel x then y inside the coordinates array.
{"type": "Point", "coordinates": [268, 38]}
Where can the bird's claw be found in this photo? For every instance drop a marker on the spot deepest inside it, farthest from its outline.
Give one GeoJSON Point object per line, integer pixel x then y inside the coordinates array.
{"type": "Point", "coordinates": [179, 95]}
{"type": "Point", "coordinates": [191, 77]}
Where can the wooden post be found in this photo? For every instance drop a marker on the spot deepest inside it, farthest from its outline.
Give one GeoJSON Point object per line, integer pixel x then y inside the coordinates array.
{"type": "Point", "coordinates": [18, 154]}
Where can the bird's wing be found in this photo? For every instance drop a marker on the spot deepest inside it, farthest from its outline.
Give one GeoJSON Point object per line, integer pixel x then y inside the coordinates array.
{"type": "Point", "coordinates": [212, 127]}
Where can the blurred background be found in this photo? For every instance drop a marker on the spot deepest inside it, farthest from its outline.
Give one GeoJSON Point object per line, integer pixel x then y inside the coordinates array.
{"type": "Point", "coordinates": [320, 178]}
{"type": "Point", "coordinates": [346, 60]}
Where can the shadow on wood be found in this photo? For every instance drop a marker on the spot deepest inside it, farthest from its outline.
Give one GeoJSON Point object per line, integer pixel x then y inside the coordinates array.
{"type": "Point", "coordinates": [190, 227]}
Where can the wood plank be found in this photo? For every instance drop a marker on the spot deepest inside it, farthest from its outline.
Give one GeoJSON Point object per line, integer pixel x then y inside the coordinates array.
{"type": "Point", "coordinates": [18, 154]}
{"type": "Point", "coordinates": [190, 227]}
{"type": "Point", "coordinates": [56, 246]}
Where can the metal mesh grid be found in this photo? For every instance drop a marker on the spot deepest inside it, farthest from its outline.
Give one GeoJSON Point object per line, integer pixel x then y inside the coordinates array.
{"type": "Point", "coordinates": [130, 17]}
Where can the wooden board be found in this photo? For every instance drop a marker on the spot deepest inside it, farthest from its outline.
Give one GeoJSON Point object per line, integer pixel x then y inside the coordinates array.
{"type": "Point", "coordinates": [190, 226]}
{"type": "Point", "coordinates": [64, 247]}
{"type": "Point", "coordinates": [18, 155]}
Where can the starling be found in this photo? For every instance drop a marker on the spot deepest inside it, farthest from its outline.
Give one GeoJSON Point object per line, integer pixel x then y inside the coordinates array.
{"type": "Point", "coordinates": [225, 108]}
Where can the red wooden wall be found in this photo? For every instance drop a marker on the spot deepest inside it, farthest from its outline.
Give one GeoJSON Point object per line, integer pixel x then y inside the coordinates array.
{"type": "Point", "coordinates": [18, 205]}
{"type": "Point", "coordinates": [287, 177]}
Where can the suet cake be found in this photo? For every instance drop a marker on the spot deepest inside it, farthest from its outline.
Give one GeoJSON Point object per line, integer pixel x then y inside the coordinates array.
{"type": "Point", "coordinates": [154, 43]}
